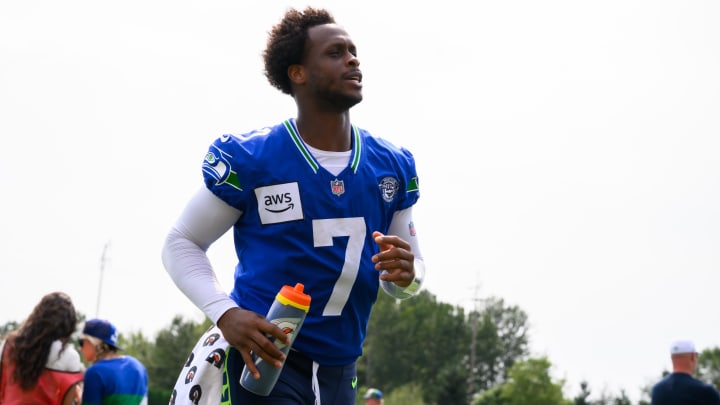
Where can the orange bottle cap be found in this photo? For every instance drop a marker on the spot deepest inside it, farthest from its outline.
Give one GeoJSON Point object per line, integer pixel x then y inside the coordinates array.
{"type": "Point", "coordinates": [294, 296]}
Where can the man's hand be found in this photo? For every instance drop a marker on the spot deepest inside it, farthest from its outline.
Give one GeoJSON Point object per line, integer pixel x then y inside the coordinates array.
{"type": "Point", "coordinates": [395, 258]}
{"type": "Point", "coordinates": [249, 333]}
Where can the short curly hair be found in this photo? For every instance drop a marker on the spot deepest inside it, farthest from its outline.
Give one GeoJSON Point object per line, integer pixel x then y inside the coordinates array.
{"type": "Point", "coordinates": [286, 44]}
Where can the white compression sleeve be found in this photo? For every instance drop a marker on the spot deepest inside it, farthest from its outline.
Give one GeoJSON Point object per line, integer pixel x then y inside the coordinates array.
{"type": "Point", "coordinates": [401, 225]}
{"type": "Point", "coordinates": [204, 220]}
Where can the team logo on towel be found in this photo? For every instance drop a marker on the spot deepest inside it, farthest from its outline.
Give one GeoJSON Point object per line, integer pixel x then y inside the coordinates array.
{"type": "Point", "coordinates": [190, 376]}
{"type": "Point", "coordinates": [216, 358]}
{"type": "Point", "coordinates": [195, 394]}
{"type": "Point", "coordinates": [211, 339]}
{"type": "Point", "coordinates": [190, 359]}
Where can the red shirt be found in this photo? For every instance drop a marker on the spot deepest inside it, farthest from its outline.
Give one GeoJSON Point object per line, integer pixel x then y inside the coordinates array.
{"type": "Point", "coordinates": [49, 390]}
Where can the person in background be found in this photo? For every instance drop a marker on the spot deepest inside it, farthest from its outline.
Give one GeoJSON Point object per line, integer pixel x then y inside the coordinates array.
{"type": "Point", "coordinates": [680, 387]}
{"type": "Point", "coordinates": [39, 364]}
{"type": "Point", "coordinates": [313, 200]}
{"type": "Point", "coordinates": [113, 378]}
{"type": "Point", "coordinates": [373, 396]}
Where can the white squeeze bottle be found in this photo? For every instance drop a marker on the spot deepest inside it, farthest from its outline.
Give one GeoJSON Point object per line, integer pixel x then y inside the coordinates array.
{"type": "Point", "coordinates": [288, 313]}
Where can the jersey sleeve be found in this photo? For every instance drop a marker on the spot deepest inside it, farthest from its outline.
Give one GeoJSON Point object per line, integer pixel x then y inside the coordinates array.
{"type": "Point", "coordinates": [402, 164]}
{"type": "Point", "coordinates": [224, 162]}
{"type": "Point", "coordinates": [410, 179]}
{"type": "Point", "coordinates": [92, 387]}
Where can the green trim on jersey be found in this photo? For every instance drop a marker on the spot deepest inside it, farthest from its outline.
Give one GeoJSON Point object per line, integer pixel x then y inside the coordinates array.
{"type": "Point", "coordinates": [412, 185]}
{"type": "Point", "coordinates": [310, 159]}
{"type": "Point", "coordinates": [357, 150]}
{"type": "Point", "coordinates": [301, 146]}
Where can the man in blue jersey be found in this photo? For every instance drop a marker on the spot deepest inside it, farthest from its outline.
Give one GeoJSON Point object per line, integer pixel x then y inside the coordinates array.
{"type": "Point", "coordinates": [313, 200]}
{"type": "Point", "coordinates": [680, 387]}
{"type": "Point", "coordinates": [112, 378]}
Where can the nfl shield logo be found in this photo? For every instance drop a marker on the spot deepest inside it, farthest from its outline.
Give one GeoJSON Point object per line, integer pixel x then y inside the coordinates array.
{"type": "Point", "coordinates": [337, 187]}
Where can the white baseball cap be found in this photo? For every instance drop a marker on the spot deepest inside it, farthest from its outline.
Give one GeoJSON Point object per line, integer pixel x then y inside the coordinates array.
{"type": "Point", "coordinates": [682, 346]}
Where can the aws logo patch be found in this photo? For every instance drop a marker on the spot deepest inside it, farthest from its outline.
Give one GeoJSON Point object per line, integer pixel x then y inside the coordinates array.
{"type": "Point", "coordinates": [279, 203]}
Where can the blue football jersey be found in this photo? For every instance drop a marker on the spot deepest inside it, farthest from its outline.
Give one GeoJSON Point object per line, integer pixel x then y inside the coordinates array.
{"type": "Point", "coordinates": [302, 224]}
{"type": "Point", "coordinates": [120, 381]}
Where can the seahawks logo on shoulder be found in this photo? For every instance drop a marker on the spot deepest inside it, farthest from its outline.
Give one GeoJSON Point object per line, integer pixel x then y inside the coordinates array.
{"type": "Point", "coordinates": [217, 166]}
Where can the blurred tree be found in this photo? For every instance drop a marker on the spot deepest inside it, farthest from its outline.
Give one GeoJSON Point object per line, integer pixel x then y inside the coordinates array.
{"type": "Point", "coordinates": [467, 354]}
{"type": "Point", "coordinates": [416, 340]}
{"type": "Point", "coordinates": [708, 368]}
{"type": "Point", "coordinates": [493, 396]}
{"type": "Point", "coordinates": [607, 398]}
{"type": "Point", "coordinates": [501, 341]}
{"type": "Point", "coordinates": [645, 394]}
{"type": "Point", "coordinates": [137, 345]}
{"type": "Point", "coordinates": [449, 385]}
{"type": "Point", "coordinates": [529, 382]}
{"type": "Point", "coordinates": [582, 397]}
{"type": "Point", "coordinates": [622, 399]}
{"type": "Point", "coordinates": [410, 394]}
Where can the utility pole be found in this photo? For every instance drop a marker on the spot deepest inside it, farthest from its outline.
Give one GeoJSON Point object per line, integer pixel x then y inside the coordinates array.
{"type": "Point", "coordinates": [103, 262]}
{"type": "Point", "coordinates": [474, 318]}
{"type": "Point", "coordinates": [471, 375]}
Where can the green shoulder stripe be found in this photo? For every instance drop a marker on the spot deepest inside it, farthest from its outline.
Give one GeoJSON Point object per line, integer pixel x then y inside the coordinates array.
{"type": "Point", "coordinates": [412, 185]}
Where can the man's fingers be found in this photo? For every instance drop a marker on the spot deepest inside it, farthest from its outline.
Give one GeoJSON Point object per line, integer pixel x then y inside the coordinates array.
{"type": "Point", "coordinates": [248, 359]}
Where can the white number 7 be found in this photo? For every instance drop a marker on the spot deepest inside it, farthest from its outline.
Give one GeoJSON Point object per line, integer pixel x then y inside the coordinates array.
{"type": "Point", "coordinates": [323, 232]}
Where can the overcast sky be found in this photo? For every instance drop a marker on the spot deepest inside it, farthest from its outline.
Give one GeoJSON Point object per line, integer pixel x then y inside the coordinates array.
{"type": "Point", "coordinates": [568, 154]}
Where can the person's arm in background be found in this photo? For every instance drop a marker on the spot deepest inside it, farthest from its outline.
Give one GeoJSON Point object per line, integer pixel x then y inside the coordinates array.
{"type": "Point", "coordinates": [74, 394]}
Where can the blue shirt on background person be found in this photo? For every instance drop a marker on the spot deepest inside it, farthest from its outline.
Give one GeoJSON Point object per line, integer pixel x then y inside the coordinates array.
{"type": "Point", "coordinates": [680, 387]}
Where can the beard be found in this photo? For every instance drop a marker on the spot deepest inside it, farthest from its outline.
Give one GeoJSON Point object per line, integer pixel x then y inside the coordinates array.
{"type": "Point", "coordinates": [336, 101]}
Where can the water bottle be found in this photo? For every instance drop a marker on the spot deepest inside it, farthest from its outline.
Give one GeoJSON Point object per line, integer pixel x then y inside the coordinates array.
{"type": "Point", "coordinates": [288, 313]}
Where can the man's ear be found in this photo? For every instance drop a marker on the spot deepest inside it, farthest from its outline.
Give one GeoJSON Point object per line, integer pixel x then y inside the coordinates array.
{"type": "Point", "coordinates": [296, 73]}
